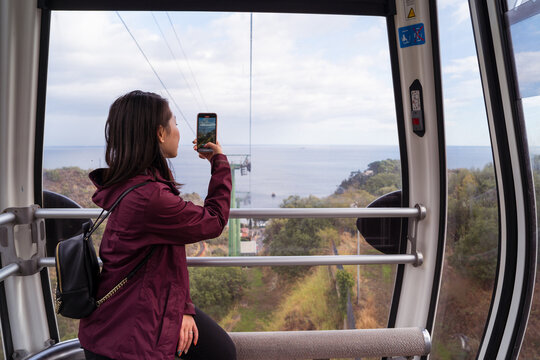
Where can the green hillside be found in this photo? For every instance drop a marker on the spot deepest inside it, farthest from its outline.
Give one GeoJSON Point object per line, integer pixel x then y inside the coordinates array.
{"type": "Point", "coordinates": [309, 298]}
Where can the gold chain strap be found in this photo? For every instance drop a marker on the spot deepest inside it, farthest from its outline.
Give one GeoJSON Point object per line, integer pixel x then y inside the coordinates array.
{"type": "Point", "coordinates": [112, 292]}
{"type": "Point", "coordinates": [100, 301]}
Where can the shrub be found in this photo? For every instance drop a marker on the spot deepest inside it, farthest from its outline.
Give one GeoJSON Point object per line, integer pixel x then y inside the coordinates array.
{"type": "Point", "coordinates": [215, 290]}
{"type": "Point", "coordinates": [345, 282]}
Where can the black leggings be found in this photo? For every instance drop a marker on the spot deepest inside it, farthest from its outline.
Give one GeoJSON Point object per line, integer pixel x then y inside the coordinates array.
{"type": "Point", "coordinates": [214, 342]}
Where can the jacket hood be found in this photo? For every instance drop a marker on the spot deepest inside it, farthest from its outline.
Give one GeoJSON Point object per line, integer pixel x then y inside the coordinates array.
{"type": "Point", "coordinates": [104, 197]}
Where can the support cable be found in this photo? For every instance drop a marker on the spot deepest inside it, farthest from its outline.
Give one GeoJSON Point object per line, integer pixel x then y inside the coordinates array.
{"type": "Point", "coordinates": [187, 61]}
{"type": "Point", "coordinates": [176, 62]}
{"type": "Point", "coordinates": [250, 88]}
{"type": "Point", "coordinates": [155, 73]}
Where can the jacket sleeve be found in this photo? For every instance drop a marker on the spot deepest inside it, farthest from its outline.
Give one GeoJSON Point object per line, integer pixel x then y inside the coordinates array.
{"type": "Point", "coordinates": [176, 221]}
{"type": "Point", "coordinates": [189, 308]}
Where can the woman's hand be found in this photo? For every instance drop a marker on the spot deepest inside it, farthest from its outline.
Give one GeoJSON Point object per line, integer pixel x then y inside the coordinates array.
{"type": "Point", "coordinates": [216, 149]}
{"type": "Point", "coordinates": [188, 333]}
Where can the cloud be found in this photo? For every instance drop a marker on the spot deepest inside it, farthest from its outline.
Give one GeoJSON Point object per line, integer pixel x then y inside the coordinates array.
{"type": "Point", "coordinates": [462, 68]}
{"type": "Point", "coordinates": [528, 70]}
{"type": "Point", "coordinates": [464, 110]}
{"type": "Point", "coordinates": [316, 79]}
{"type": "Point", "coordinates": [531, 111]}
{"type": "Point", "coordinates": [459, 10]}
{"type": "Point", "coordinates": [462, 86]}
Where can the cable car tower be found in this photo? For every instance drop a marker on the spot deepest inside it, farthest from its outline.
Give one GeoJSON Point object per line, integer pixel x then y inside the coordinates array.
{"type": "Point", "coordinates": [234, 224]}
{"type": "Point", "coordinates": [244, 166]}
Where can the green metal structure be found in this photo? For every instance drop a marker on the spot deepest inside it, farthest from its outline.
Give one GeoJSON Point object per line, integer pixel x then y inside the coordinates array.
{"type": "Point", "coordinates": [234, 224]}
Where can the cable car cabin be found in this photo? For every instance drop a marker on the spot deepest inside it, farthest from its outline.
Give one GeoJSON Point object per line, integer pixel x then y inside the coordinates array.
{"type": "Point", "coordinates": [417, 111]}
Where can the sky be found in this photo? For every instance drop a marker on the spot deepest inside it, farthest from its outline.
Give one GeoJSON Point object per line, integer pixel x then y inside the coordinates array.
{"type": "Point", "coordinates": [317, 79]}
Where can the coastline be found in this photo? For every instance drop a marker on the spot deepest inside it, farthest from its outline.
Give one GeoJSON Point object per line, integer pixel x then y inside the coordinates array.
{"type": "Point", "coordinates": [282, 170]}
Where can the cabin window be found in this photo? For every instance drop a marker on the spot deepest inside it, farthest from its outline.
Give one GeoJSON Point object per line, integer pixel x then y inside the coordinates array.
{"type": "Point", "coordinates": [472, 228]}
{"type": "Point", "coordinates": [311, 109]}
{"type": "Point", "coordinates": [524, 31]}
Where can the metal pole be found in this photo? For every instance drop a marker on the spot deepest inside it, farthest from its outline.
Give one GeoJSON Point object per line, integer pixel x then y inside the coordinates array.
{"type": "Point", "coordinates": [286, 260]}
{"type": "Point", "coordinates": [234, 226]}
{"type": "Point", "coordinates": [358, 268]}
{"type": "Point", "coordinates": [326, 213]}
{"type": "Point", "coordinates": [23, 312]}
{"type": "Point", "coordinates": [250, 85]}
{"type": "Point", "coordinates": [6, 218]}
{"type": "Point", "coordinates": [9, 270]}
{"type": "Point", "coordinates": [58, 213]}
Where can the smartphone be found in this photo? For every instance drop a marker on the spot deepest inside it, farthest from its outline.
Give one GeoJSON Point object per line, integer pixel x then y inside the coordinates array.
{"type": "Point", "coordinates": [206, 130]}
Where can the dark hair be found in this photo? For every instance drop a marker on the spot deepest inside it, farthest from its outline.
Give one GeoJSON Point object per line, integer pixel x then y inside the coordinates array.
{"type": "Point", "coordinates": [131, 136]}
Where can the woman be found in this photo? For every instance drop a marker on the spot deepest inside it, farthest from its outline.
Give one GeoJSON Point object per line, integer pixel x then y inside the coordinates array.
{"type": "Point", "coordinates": [152, 316]}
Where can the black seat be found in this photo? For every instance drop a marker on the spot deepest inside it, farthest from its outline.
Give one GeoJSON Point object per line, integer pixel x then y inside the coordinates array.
{"type": "Point", "coordinates": [60, 229]}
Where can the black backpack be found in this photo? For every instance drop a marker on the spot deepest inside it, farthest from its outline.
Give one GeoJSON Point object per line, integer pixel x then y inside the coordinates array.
{"type": "Point", "coordinates": [77, 270]}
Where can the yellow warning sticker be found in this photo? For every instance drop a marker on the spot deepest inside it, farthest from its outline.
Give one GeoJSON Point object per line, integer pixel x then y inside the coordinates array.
{"type": "Point", "coordinates": [409, 10]}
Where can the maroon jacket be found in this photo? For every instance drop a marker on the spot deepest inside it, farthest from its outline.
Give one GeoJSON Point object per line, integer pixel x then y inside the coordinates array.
{"type": "Point", "coordinates": [142, 320]}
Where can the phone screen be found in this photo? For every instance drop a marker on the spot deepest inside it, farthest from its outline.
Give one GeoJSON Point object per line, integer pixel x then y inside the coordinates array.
{"type": "Point", "coordinates": [206, 129]}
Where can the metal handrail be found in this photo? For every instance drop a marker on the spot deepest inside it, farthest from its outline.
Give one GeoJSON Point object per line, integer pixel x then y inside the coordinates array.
{"type": "Point", "coordinates": [223, 261]}
{"type": "Point", "coordinates": [308, 344]}
{"type": "Point", "coordinates": [9, 270]}
{"type": "Point", "coordinates": [312, 260]}
{"type": "Point", "coordinates": [416, 212]}
{"type": "Point", "coordinates": [51, 262]}
{"type": "Point", "coordinates": [6, 218]}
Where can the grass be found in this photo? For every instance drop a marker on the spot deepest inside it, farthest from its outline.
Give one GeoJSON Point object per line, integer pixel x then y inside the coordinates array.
{"type": "Point", "coordinates": [310, 305]}
{"type": "Point", "coordinates": [443, 353]}
{"type": "Point", "coordinates": [387, 273]}
{"type": "Point", "coordinates": [253, 312]}
{"type": "Point", "coordinates": [272, 306]}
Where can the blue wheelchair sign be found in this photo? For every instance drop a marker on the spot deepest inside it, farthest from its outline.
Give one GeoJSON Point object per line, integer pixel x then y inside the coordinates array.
{"type": "Point", "coordinates": [411, 35]}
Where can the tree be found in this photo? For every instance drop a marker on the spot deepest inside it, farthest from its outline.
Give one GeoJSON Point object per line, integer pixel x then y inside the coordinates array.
{"type": "Point", "coordinates": [345, 282]}
{"type": "Point", "coordinates": [216, 289]}
{"type": "Point", "coordinates": [383, 183]}
{"type": "Point", "coordinates": [475, 254]}
{"type": "Point", "coordinates": [473, 222]}
{"type": "Point", "coordinates": [359, 179]}
{"type": "Point", "coordinates": [329, 235]}
{"type": "Point", "coordinates": [289, 237]}
{"type": "Point", "coordinates": [294, 237]}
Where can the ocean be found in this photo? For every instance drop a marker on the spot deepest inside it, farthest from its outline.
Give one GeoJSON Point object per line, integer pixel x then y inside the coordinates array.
{"type": "Point", "coordinates": [277, 171]}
